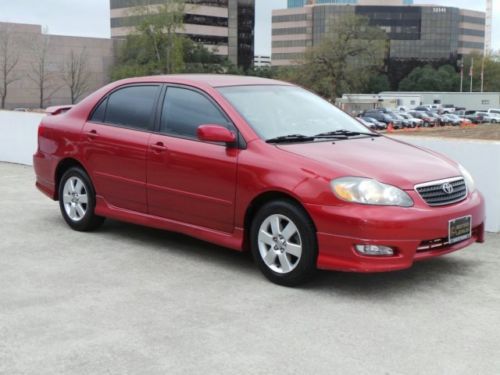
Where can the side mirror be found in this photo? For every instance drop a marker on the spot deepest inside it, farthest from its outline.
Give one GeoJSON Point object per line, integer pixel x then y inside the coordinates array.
{"type": "Point", "coordinates": [215, 133]}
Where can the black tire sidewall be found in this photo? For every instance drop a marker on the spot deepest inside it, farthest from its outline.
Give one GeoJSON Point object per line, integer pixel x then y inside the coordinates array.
{"type": "Point", "coordinates": [90, 220]}
{"type": "Point", "coordinates": [307, 263]}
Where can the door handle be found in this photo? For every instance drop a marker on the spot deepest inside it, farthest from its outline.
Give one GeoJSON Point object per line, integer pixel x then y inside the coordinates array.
{"type": "Point", "coordinates": [92, 134]}
{"type": "Point", "coordinates": [158, 147]}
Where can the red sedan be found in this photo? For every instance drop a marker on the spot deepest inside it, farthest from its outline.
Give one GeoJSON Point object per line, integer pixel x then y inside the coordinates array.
{"type": "Point", "coordinates": [255, 164]}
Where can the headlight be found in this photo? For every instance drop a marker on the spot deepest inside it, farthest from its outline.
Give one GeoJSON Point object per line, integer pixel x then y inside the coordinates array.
{"type": "Point", "coordinates": [469, 181]}
{"type": "Point", "coordinates": [369, 191]}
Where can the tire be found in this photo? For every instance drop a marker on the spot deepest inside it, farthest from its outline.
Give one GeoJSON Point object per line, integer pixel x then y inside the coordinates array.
{"type": "Point", "coordinates": [77, 201]}
{"type": "Point", "coordinates": [285, 254]}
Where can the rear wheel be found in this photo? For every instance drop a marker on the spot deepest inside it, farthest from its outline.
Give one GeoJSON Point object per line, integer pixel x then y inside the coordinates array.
{"type": "Point", "coordinates": [77, 200]}
{"type": "Point", "coordinates": [283, 243]}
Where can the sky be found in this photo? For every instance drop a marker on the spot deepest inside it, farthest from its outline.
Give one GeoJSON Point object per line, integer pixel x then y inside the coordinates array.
{"type": "Point", "coordinates": [91, 17]}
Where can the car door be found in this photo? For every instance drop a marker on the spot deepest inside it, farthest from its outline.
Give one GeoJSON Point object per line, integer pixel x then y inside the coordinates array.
{"type": "Point", "coordinates": [115, 144]}
{"type": "Point", "coordinates": [189, 180]}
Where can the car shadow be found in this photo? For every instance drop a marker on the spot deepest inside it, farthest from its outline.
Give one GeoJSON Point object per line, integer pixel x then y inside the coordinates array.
{"type": "Point", "coordinates": [421, 276]}
{"type": "Point", "coordinates": [179, 244]}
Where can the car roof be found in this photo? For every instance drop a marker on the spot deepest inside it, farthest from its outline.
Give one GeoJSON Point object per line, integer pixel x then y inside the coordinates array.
{"type": "Point", "coordinates": [212, 80]}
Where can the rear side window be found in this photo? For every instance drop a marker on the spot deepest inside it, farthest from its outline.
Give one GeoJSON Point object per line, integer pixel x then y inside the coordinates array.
{"type": "Point", "coordinates": [131, 107]}
{"type": "Point", "coordinates": [100, 112]}
{"type": "Point", "coordinates": [184, 110]}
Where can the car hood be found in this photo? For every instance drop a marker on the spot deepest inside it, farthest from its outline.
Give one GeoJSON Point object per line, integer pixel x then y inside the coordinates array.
{"type": "Point", "coordinates": [386, 160]}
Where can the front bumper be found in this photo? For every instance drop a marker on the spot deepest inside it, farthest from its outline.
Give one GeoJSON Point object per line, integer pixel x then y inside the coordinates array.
{"type": "Point", "coordinates": [340, 228]}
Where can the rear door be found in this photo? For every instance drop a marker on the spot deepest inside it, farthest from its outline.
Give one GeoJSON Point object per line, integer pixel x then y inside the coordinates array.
{"type": "Point", "coordinates": [116, 142]}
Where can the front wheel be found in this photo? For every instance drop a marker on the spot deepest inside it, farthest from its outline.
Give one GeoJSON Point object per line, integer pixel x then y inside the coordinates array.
{"type": "Point", "coordinates": [77, 201]}
{"type": "Point", "coordinates": [283, 243]}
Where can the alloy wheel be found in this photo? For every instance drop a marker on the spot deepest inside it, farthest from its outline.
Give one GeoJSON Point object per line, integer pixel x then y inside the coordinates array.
{"type": "Point", "coordinates": [75, 198]}
{"type": "Point", "coordinates": [280, 244]}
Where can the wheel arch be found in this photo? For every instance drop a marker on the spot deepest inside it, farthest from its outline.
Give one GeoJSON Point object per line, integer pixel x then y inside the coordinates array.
{"type": "Point", "coordinates": [62, 167]}
{"type": "Point", "coordinates": [261, 200]}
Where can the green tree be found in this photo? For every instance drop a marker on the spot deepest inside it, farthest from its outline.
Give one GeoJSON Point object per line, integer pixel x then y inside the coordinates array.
{"type": "Point", "coordinates": [199, 59]}
{"type": "Point", "coordinates": [160, 26]}
{"type": "Point", "coordinates": [157, 47]}
{"type": "Point", "coordinates": [426, 78]}
{"type": "Point", "coordinates": [378, 83]}
{"type": "Point", "coordinates": [344, 60]}
{"type": "Point", "coordinates": [491, 73]}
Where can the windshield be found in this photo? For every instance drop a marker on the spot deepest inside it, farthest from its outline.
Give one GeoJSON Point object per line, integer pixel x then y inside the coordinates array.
{"type": "Point", "coordinates": [276, 111]}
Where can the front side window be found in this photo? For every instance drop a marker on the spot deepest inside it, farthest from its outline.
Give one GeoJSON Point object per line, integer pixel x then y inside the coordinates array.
{"type": "Point", "coordinates": [185, 110]}
{"type": "Point", "coordinates": [275, 111]}
{"type": "Point", "coordinates": [132, 106]}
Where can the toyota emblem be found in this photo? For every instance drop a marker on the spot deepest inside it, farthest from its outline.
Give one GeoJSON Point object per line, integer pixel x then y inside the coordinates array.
{"type": "Point", "coordinates": [447, 188]}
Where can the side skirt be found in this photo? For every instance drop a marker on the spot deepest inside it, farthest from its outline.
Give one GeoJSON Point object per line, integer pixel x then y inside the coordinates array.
{"type": "Point", "coordinates": [230, 240]}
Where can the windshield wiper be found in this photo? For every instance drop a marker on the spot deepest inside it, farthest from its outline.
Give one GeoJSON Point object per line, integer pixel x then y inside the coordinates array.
{"type": "Point", "coordinates": [290, 138]}
{"type": "Point", "coordinates": [345, 133]}
{"type": "Point", "coordinates": [337, 134]}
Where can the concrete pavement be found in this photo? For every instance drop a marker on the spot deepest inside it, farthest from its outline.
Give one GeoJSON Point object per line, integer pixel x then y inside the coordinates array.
{"type": "Point", "coordinates": [133, 300]}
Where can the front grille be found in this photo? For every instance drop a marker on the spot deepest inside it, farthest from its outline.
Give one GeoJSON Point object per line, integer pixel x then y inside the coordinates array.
{"type": "Point", "coordinates": [434, 194]}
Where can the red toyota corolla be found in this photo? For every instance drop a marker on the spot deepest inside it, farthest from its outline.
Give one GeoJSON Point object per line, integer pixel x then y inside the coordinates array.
{"type": "Point", "coordinates": [256, 164]}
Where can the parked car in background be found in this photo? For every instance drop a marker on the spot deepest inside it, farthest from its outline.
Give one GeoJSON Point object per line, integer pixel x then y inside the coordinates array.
{"type": "Point", "coordinates": [474, 116]}
{"type": "Point", "coordinates": [254, 164]}
{"type": "Point", "coordinates": [490, 117]}
{"type": "Point", "coordinates": [406, 123]}
{"type": "Point", "coordinates": [382, 116]}
{"type": "Point", "coordinates": [428, 121]}
{"type": "Point", "coordinates": [423, 108]}
{"type": "Point", "coordinates": [365, 123]}
{"type": "Point", "coordinates": [448, 108]}
{"type": "Point", "coordinates": [438, 119]}
{"type": "Point", "coordinates": [495, 111]}
{"type": "Point", "coordinates": [374, 124]}
{"type": "Point", "coordinates": [415, 122]}
{"type": "Point", "coordinates": [453, 119]}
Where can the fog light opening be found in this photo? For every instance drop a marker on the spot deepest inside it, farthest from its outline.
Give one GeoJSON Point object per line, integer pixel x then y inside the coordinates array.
{"type": "Point", "coordinates": [375, 250]}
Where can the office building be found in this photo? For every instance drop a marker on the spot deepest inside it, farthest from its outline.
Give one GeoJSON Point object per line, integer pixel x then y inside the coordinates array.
{"type": "Point", "coordinates": [35, 50]}
{"type": "Point", "coordinates": [225, 27]}
{"type": "Point", "coordinates": [301, 3]}
{"type": "Point", "coordinates": [415, 32]}
{"type": "Point", "coordinates": [262, 61]}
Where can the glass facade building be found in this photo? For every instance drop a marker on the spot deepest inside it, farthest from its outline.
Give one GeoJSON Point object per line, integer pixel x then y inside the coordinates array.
{"type": "Point", "coordinates": [425, 33]}
{"type": "Point", "coordinates": [223, 26]}
{"type": "Point", "coordinates": [301, 3]}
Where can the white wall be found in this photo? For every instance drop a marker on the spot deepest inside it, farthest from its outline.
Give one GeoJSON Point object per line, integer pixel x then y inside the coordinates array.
{"type": "Point", "coordinates": [481, 159]}
{"type": "Point", "coordinates": [18, 136]}
{"type": "Point", "coordinates": [18, 142]}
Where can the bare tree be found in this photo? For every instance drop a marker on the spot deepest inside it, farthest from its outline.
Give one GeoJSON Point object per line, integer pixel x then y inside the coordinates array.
{"type": "Point", "coordinates": [9, 58]}
{"type": "Point", "coordinates": [40, 73]}
{"type": "Point", "coordinates": [76, 74]}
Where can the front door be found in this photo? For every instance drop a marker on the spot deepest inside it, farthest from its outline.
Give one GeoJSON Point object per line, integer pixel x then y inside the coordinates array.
{"type": "Point", "coordinates": [188, 180]}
